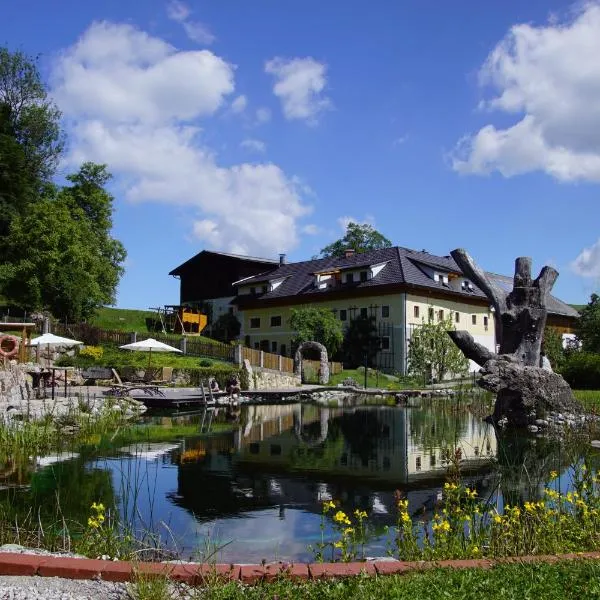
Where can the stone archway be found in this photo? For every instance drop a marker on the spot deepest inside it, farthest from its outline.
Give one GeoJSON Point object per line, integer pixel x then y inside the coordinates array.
{"type": "Point", "coordinates": [324, 360]}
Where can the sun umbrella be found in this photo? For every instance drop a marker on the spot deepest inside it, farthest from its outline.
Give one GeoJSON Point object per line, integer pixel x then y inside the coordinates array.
{"type": "Point", "coordinates": [49, 339]}
{"type": "Point", "coordinates": [149, 346]}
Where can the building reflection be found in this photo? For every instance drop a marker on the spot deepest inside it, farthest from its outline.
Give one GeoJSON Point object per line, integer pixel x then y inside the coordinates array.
{"type": "Point", "coordinates": [300, 455]}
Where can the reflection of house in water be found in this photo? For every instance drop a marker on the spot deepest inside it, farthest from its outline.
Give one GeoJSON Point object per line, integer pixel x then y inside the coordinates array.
{"type": "Point", "coordinates": [359, 456]}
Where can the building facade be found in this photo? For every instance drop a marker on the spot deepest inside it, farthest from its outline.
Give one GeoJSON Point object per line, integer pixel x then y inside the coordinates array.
{"type": "Point", "coordinates": [400, 288]}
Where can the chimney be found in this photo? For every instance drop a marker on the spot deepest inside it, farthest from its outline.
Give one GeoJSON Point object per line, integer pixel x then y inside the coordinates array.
{"type": "Point", "coordinates": [349, 253]}
{"type": "Point", "coordinates": [282, 259]}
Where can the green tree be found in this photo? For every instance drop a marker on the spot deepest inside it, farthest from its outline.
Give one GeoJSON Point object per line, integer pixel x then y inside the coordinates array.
{"type": "Point", "coordinates": [361, 238]}
{"type": "Point", "coordinates": [553, 348]}
{"type": "Point", "coordinates": [226, 328]}
{"type": "Point", "coordinates": [588, 327]}
{"type": "Point", "coordinates": [60, 256]}
{"type": "Point", "coordinates": [432, 354]}
{"type": "Point", "coordinates": [317, 325]}
{"type": "Point", "coordinates": [361, 341]}
{"type": "Point", "coordinates": [30, 137]}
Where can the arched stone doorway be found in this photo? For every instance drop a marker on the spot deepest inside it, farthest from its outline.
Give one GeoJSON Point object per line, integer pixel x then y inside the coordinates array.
{"type": "Point", "coordinates": [324, 360]}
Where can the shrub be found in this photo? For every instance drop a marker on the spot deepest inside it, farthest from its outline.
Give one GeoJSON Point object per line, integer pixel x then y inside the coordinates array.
{"type": "Point", "coordinates": [220, 373]}
{"type": "Point", "coordinates": [95, 352]}
{"type": "Point", "coordinates": [582, 370]}
{"type": "Point", "coordinates": [205, 362]}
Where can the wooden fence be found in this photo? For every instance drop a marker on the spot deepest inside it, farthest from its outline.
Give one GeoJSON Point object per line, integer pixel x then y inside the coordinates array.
{"type": "Point", "coordinates": [94, 336]}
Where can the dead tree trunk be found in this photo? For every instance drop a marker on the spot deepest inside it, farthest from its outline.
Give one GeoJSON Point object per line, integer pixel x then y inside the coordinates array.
{"type": "Point", "coordinates": [524, 389]}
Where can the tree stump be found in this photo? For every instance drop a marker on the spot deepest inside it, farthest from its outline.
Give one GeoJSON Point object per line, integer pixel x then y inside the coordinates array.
{"type": "Point", "coordinates": [525, 391]}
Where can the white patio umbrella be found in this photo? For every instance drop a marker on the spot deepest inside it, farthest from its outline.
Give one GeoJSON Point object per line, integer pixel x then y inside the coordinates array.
{"type": "Point", "coordinates": [149, 346]}
{"type": "Point", "coordinates": [49, 339]}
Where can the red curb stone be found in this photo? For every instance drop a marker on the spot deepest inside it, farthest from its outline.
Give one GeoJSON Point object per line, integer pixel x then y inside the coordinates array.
{"type": "Point", "coordinates": [119, 571]}
{"type": "Point", "coordinates": [467, 563]}
{"type": "Point", "coordinates": [251, 574]}
{"type": "Point", "coordinates": [320, 570]}
{"type": "Point", "coordinates": [389, 567]}
{"type": "Point", "coordinates": [19, 564]}
{"type": "Point", "coordinates": [297, 572]}
{"type": "Point", "coordinates": [72, 568]}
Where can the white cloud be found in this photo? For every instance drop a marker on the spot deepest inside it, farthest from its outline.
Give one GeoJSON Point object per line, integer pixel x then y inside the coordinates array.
{"type": "Point", "coordinates": [119, 73]}
{"type": "Point", "coordinates": [549, 78]}
{"type": "Point", "coordinates": [253, 145]}
{"type": "Point", "coordinates": [311, 229]}
{"type": "Point", "coordinates": [299, 84]}
{"type": "Point", "coordinates": [195, 30]}
{"type": "Point", "coordinates": [134, 102]}
{"type": "Point", "coordinates": [400, 140]}
{"type": "Point", "coordinates": [344, 221]}
{"type": "Point", "coordinates": [239, 104]}
{"type": "Point", "coordinates": [263, 115]}
{"type": "Point", "coordinates": [587, 264]}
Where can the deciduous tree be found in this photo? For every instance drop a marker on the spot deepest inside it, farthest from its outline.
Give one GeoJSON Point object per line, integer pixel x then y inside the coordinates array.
{"type": "Point", "coordinates": [588, 327]}
{"type": "Point", "coordinates": [361, 238]}
{"type": "Point", "coordinates": [361, 342]}
{"type": "Point", "coordinates": [432, 354]}
{"type": "Point", "coordinates": [317, 325]}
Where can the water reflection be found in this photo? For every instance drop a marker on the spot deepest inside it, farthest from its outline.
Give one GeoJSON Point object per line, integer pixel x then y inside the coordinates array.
{"type": "Point", "coordinates": [257, 478]}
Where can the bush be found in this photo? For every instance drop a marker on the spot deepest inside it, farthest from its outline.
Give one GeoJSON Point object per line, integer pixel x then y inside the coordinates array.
{"type": "Point", "coordinates": [582, 370]}
{"type": "Point", "coordinates": [220, 373]}
{"type": "Point", "coordinates": [205, 362]}
{"type": "Point", "coordinates": [95, 352]}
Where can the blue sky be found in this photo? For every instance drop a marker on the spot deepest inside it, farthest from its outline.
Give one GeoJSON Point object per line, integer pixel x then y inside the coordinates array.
{"type": "Point", "coordinates": [263, 127]}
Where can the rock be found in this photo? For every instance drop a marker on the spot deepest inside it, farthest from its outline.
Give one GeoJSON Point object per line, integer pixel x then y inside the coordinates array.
{"type": "Point", "coordinates": [541, 423]}
{"type": "Point", "coordinates": [522, 389]}
{"type": "Point", "coordinates": [532, 428]}
{"type": "Point", "coordinates": [595, 443]}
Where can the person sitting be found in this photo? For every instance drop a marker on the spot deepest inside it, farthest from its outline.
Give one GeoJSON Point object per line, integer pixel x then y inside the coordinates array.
{"type": "Point", "coordinates": [214, 386]}
{"type": "Point", "coordinates": [233, 386]}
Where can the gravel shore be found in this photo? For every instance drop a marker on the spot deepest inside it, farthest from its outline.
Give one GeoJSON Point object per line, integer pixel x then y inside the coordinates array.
{"type": "Point", "coordinates": [55, 588]}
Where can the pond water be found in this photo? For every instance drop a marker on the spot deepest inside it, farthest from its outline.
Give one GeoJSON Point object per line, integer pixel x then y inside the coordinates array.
{"type": "Point", "coordinates": [252, 484]}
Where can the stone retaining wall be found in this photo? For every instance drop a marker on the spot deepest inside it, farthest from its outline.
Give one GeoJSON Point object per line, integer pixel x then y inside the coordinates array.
{"type": "Point", "coordinates": [265, 379]}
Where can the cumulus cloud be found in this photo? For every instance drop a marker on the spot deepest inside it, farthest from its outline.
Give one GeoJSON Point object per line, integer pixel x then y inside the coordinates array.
{"type": "Point", "coordinates": [587, 264]}
{"type": "Point", "coordinates": [299, 85]}
{"type": "Point", "coordinates": [253, 145]}
{"type": "Point", "coordinates": [136, 103]}
{"type": "Point", "coordinates": [549, 78]}
{"type": "Point", "coordinates": [263, 115]}
{"type": "Point", "coordinates": [239, 104]}
{"type": "Point", "coordinates": [311, 229]}
{"type": "Point", "coordinates": [195, 30]}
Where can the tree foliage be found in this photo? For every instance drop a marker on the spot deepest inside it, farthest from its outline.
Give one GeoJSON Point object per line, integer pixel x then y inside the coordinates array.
{"type": "Point", "coordinates": [432, 354]}
{"type": "Point", "coordinates": [317, 325]}
{"type": "Point", "coordinates": [361, 342]}
{"type": "Point", "coordinates": [30, 137]}
{"type": "Point", "coordinates": [588, 327]}
{"type": "Point", "coordinates": [60, 255]}
{"type": "Point", "coordinates": [553, 348]}
{"type": "Point", "coordinates": [226, 328]}
{"type": "Point", "coordinates": [361, 238]}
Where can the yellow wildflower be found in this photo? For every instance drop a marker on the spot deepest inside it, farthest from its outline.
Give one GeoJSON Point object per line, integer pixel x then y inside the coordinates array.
{"type": "Point", "coordinates": [348, 530]}
{"type": "Point", "coordinates": [405, 517]}
{"type": "Point", "coordinates": [475, 550]}
{"type": "Point", "coordinates": [338, 545]}
{"type": "Point", "coordinates": [360, 514]}
{"type": "Point", "coordinates": [497, 519]}
{"type": "Point", "coordinates": [553, 474]}
{"type": "Point", "coordinates": [93, 523]}
{"type": "Point", "coordinates": [329, 505]}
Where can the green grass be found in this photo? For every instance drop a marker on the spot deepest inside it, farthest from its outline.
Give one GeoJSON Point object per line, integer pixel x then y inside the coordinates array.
{"type": "Point", "coordinates": [115, 357]}
{"type": "Point", "coordinates": [590, 399]}
{"type": "Point", "coordinates": [374, 381]}
{"type": "Point", "coordinates": [565, 580]}
{"type": "Point", "coordinates": [122, 319]}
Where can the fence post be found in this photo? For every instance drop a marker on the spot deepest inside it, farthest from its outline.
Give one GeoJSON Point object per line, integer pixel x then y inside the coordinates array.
{"type": "Point", "coordinates": [238, 356]}
{"type": "Point", "coordinates": [280, 363]}
{"type": "Point", "coordinates": [133, 336]}
{"type": "Point", "coordinates": [183, 345]}
{"type": "Point", "coordinates": [261, 360]}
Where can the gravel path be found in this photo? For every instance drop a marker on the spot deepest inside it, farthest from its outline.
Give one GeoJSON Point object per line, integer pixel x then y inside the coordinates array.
{"type": "Point", "coordinates": [54, 588]}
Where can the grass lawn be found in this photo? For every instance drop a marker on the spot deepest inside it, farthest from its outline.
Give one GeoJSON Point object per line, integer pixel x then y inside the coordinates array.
{"type": "Point", "coordinates": [112, 356]}
{"type": "Point", "coordinates": [589, 398]}
{"type": "Point", "coordinates": [565, 580]}
{"type": "Point", "coordinates": [380, 381]}
{"type": "Point", "coordinates": [122, 319]}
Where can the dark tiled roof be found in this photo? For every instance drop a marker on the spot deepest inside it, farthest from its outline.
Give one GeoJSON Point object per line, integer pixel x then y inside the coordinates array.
{"type": "Point", "coordinates": [266, 261]}
{"type": "Point", "coordinates": [403, 266]}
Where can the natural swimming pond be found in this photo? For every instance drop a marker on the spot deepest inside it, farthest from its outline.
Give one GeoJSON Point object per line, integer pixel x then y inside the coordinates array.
{"type": "Point", "coordinates": [252, 484]}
